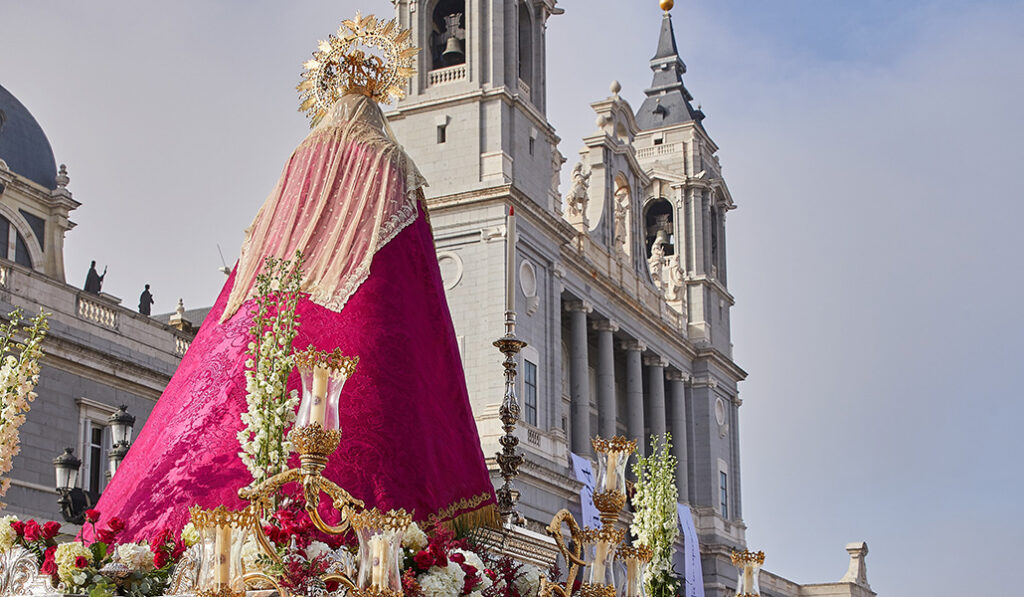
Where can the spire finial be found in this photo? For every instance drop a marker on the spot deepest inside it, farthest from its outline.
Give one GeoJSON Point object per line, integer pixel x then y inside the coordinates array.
{"type": "Point", "coordinates": [667, 5]}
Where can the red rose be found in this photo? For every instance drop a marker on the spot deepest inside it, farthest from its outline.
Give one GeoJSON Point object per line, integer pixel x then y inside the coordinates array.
{"type": "Point", "coordinates": [81, 562]}
{"type": "Point", "coordinates": [424, 560]}
{"type": "Point", "coordinates": [49, 566]}
{"type": "Point", "coordinates": [32, 531]}
{"type": "Point", "coordinates": [19, 527]}
{"type": "Point", "coordinates": [332, 585]}
{"type": "Point", "coordinates": [106, 536]}
{"type": "Point", "coordinates": [51, 529]}
{"type": "Point", "coordinates": [160, 559]}
{"type": "Point", "coordinates": [92, 516]}
{"type": "Point", "coordinates": [115, 524]}
{"type": "Point", "coordinates": [458, 558]}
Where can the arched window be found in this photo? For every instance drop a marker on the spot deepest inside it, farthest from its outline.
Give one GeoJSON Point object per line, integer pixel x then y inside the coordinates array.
{"type": "Point", "coordinates": [21, 255]}
{"type": "Point", "coordinates": [448, 39]}
{"type": "Point", "coordinates": [659, 227]}
{"type": "Point", "coordinates": [525, 44]}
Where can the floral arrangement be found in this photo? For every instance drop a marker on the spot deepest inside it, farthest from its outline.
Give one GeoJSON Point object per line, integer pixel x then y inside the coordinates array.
{"type": "Point", "coordinates": [19, 374]}
{"type": "Point", "coordinates": [271, 408]}
{"type": "Point", "coordinates": [654, 521]}
{"type": "Point", "coordinates": [76, 567]}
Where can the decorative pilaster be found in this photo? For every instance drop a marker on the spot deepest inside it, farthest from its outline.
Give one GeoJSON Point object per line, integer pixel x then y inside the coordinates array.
{"type": "Point", "coordinates": [635, 392]}
{"type": "Point", "coordinates": [606, 410]}
{"type": "Point", "coordinates": [579, 378]}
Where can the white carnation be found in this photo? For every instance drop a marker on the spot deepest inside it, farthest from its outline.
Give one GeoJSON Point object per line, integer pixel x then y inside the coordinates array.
{"type": "Point", "coordinates": [414, 539]}
{"type": "Point", "coordinates": [190, 535]}
{"type": "Point", "coordinates": [443, 582]}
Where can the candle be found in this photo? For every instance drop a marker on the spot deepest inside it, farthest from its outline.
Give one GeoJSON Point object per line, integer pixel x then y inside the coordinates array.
{"type": "Point", "coordinates": [632, 586]}
{"type": "Point", "coordinates": [510, 259]}
{"type": "Point", "coordinates": [318, 408]}
{"type": "Point", "coordinates": [600, 555]}
{"type": "Point", "coordinates": [222, 547]}
{"type": "Point", "coordinates": [611, 475]}
{"type": "Point", "coordinates": [377, 556]}
{"type": "Point", "coordinates": [748, 579]}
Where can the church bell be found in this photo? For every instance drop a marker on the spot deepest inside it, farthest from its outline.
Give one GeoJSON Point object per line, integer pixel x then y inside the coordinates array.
{"type": "Point", "coordinates": [453, 53]}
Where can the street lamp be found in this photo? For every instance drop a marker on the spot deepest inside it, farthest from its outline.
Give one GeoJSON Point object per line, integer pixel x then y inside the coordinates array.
{"type": "Point", "coordinates": [121, 424]}
{"type": "Point", "coordinates": [73, 501]}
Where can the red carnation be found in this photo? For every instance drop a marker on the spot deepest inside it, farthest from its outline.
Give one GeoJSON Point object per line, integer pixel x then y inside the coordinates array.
{"type": "Point", "coordinates": [160, 558]}
{"type": "Point", "coordinates": [115, 524]}
{"type": "Point", "coordinates": [51, 529]}
{"type": "Point", "coordinates": [424, 560]}
{"type": "Point", "coordinates": [92, 516]}
{"type": "Point", "coordinates": [32, 531]}
{"type": "Point", "coordinates": [81, 562]}
{"type": "Point", "coordinates": [19, 527]}
{"type": "Point", "coordinates": [458, 558]}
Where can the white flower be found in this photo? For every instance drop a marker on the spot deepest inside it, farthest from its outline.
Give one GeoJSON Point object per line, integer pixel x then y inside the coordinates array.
{"type": "Point", "coordinates": [414, 539]}
{"type": "Point", "coordinates": [317, 549]}
{"type": "Point", "coordinates": [190, 534]}
{"type": "Point", "coordinates": [136, 556]}
{"type": "Point", "coordinates": [528, 580]}
{"type": "Point", "coordinates": [65, 558]}
{"type": "Point", "coordinates": [7, 534]}
{"type": "Point", "coordinates": [250, 554]}
{"type": "Point", "coordinates": [442, 582]}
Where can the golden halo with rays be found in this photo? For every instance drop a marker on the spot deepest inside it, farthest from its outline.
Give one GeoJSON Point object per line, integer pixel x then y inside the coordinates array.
{"type": "Point", "coordinates": [368, 56]}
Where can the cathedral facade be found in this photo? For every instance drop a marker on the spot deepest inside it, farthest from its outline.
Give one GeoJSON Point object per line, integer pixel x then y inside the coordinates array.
{"type": "Point", "coordinates": [621, 283]}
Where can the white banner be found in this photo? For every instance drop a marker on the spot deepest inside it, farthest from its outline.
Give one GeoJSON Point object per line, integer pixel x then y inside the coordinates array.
{"type": "Point", "coordinates": [584, 474]}
{"type": "Point", "coordinates": [694, 576]}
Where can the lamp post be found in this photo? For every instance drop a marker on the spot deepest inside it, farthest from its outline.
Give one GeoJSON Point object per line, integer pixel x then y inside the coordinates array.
{"type": "Point", "coordinates": [73, 501]}
{"type": "Point", "coordinates": [121, 425]}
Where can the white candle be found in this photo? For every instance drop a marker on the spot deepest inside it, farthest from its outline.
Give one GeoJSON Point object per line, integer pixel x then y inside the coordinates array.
{"type": "Point", "coordinates": [510, 259]}
{"type": "Point", "coordinates": [600, 554]}
{"type": "Point", "coordinates": [748, 579]}
{"type": "Point", "coordinates": [222, 547]}
{"type": "Point", "coordinates": [377, 555]}
{"type": "Point", "coordinates": [318, 409]}
{"type": "Point", "coordinates": [611, 476]}
{"type": "Point", "coordinates": [632, 586]}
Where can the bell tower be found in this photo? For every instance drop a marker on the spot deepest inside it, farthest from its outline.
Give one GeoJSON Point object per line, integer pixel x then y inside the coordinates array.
{"type": "Point", "coordinates": [474, 117]}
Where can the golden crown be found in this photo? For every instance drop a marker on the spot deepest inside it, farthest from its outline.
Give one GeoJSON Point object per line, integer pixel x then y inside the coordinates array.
{"type": "Point", "coordinates": [368, 56]}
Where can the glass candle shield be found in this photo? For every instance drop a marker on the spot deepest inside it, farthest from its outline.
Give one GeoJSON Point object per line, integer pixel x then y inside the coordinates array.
{"type": "Point", "coordinates": [611, 471]}
{"type": "Point", "coordinates": [222, 534]}
{"type": "Point", "coordinates": [601, 545]}
{"type": "Point", "coordinates": [380, 549]}
{"type": "Point", "coordinates": [321, 389]}
{"type": "Point", "coordinates": [749, 565]}
{"type": "Point", "coordinates": [633, 562]}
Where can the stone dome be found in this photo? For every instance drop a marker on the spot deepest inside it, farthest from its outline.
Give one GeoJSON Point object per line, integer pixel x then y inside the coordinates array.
{"type": "Point", "coordinates": [23, 144]}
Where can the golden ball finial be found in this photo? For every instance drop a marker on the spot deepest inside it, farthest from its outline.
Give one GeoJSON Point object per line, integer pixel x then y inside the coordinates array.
{"type": "Point", "coordinates": [667, 5]}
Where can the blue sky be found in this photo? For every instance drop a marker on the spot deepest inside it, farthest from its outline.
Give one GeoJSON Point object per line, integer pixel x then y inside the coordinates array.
{"type": "Point", "coordinates": [872, 148]}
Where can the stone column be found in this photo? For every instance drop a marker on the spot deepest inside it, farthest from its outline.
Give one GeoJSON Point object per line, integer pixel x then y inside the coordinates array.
{"type": "Point", "coordinates": [678, 422]}
{"type": "Point", "coordinates": [607, 413]}
{"type": "Point", "coordinates": [635, 393]}
{"type": "Point", "coordinates": [579, 379]}
{"type": "Point", "coordinates": [656, 394]}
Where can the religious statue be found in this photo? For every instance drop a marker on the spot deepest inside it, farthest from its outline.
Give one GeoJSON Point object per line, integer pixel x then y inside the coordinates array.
{"type": "Point", "coordinates": [579, 191]}
{"type": "Point", "coordinates": [145, 301]}
{"type": "Point", "coordinates": [621, 239]}
{"type": "Point", "coordinates": [348, 198]}
{"type": "Point", "coordinates": [656, 262]}
{"type": "Point", "coordinates": [94, 280]}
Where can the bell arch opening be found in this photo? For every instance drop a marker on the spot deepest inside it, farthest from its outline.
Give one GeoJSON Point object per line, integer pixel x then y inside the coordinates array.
{"type": "Point", "coordinates": [448, 37]}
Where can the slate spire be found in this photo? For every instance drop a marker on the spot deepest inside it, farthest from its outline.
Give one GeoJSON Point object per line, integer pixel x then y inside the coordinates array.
{"type": "Point", "coordinates": [668, 100]}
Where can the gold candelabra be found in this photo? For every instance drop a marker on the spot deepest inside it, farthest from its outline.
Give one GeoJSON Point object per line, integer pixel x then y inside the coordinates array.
{"type": "Point", "coordinates": [606, 542]}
